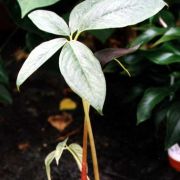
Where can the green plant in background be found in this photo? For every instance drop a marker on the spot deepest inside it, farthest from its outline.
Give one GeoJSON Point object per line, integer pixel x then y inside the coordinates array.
{"type": "Point", "coordinates": [27, 6]}
{"type": "Point", "coordinates": [157, 65]}
{"type": "Point", "coordinates": [78, 65]}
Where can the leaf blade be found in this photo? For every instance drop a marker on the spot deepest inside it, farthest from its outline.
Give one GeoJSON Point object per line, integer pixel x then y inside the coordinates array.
{"type": "Point", "coordinates": [48, 160]}
{"type": "Point", "coordinates": [50, 22]}
{"type": "Point", "coordinates": [38, 57]}
{"type": "Point", "coordinates": [85, 76]}
{"type": "Point", "coordinates": [28, 5]}
{"type": "Point", "coordinates": [108, 54]}
{"type": "Point", "coordinates": [151, 97]}
{"type": "Point", "coordinates": [171, 34]}
{"type": "Point", "coordinates": [113, 14]}
{"type": "Point", "coordinates": [59, 150]}
{"type": "Point", "coordinates": [77, 152]}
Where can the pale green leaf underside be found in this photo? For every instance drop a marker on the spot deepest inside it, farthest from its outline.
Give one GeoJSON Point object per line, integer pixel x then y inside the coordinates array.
{"type": "Point", "coordinates": [112, 14]}
{"type": "Point", "coordinates": [50, 22]}
{"type": "Point", "coordinates": [59, 150]}
{"type": "Point", "coordinates": [50, 157]}
{"type": "Point", "coordinates": [76, 151]}
{"type": "Point", "coordinates": [28, 5]}
{"type": "Point", "coordinates": [38, 57]}
{"type": "Point", "coordinates": [83, 73]}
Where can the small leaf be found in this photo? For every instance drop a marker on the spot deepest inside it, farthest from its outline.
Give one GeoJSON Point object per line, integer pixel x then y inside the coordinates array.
{"type": "Point", "coordinates": [166, 54]}
{"type": "Point", "coordinates": [59, 150]}
{"type": "Point", "coordinates": [162, 57]}
{"type": "Point", "coordinates": [5, 96]}
{"type": "Point", "coordinates": [28, 5]}
{"type": "Point", "coordinates": [106, 55]}
{"type": "Point", "coordinates": [112, 14]}
{"type": "Point", "coordinates": [67, 104]}
{"type": "Point", "coordinates": [171, 34]}
{"type": "Point", "coordinates": [76, 151]}
{"type": "Point", "coordinates": [83, 73]}
{"type": "Point", "coordinates": [173, 125]}
{"type": "Point", "coordinates": [50, 157]}
{"type": "Point", "coordinates": [148, 35]}
{"type": "Point", "coordinates": [151, 98]}
{"type": "Point", "coordinates": [38, 57]}
{"type": "Point", "coordinates": [50, 22]}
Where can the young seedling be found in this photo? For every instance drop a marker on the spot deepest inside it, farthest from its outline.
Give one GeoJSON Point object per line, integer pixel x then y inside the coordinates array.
{"type": "Point", "coordinates": [78, 65]}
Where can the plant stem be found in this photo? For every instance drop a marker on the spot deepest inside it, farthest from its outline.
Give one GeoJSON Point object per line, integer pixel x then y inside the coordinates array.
{"type": "Point", "coordinates": [91, 140]}
{"type": "Point", "coordinates": [84, 156]}
{"type": "Point", "coordinates": [122, 67]}
{"type": "Point", "coordinates": [77, 35]}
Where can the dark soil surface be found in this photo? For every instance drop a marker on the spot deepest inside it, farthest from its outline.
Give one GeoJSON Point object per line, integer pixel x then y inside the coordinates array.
{"type": "Point", "coordinates": [125, 151]}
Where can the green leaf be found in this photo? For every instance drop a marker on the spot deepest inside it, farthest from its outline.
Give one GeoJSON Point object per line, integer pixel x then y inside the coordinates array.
{"type": "Point", "coordinates": [148, 35]}
{"type": "Point", "coordinates": [38, 57]}
{"type": "Point", "coordinates": [50, 157]}
{"type": "Point", "coordinates": [112, 14]}
{"type": "Point", "coordinates": [167, 16]}
{"type": "Point", "coordinates": [83, 73]}
{"type": "Point", "coordinates": [173, 125]}
{"type": "Point", "coordinates": [151, 98]}
{"type": "Point", "coordinates": [77, 152]}
{"type": "Point", "coordinates": [59, 150]}
{"type": "Point", "coordinates": [28, 5]}
{"type": "Point", "coordinates": [162, 57]}
{"type": "Point", "coordinates": [171, 34]}
{"type": "Point", "coordinates": [5, 96]}
{"type": "Point", "coordinates": [50, 22]}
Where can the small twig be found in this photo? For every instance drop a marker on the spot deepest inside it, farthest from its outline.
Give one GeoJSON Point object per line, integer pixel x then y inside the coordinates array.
{"type": "Point", "coordinates": [122, 67]}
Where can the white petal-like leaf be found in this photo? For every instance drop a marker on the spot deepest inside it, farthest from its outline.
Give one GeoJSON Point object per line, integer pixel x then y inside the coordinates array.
{"type": "Point", "coordinates": [77, 152]}
{"type": "Point", "coordinates": [59, 150]}
{"type": "Point", "coordinates": [50, 157]}
{"type": "Point", "coordinates": [76, 15]}
{"type": "Point", "coordinates": [112, 13]}
{"type": "Point", "coordinates": [37, 57]}
{"type": "Point", "coordinates": [83, 73]}
{"type": "Point", "coordinates": [29, 5]}
{"type": "Point", "coordinates": [50, 22]}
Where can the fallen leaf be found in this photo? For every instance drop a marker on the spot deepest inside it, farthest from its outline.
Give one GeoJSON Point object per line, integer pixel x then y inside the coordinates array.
{"type": "Point", "coordinates": [23, 146]}
{"type": "Point", "coordinates": [67, 104]}
{"type": "Point", "coordinates": [60, 122]}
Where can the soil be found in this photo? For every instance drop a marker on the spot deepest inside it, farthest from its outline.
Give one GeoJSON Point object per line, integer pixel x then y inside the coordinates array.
{"type": "Point", "coordinates": [125, 151]}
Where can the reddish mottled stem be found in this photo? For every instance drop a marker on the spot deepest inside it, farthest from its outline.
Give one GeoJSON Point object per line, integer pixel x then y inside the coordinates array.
{"type": "Point", "coordinates": [84, 157]}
